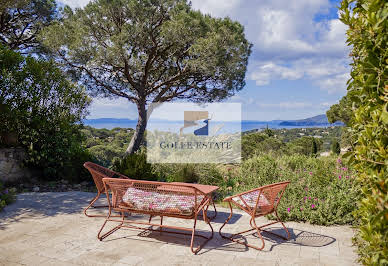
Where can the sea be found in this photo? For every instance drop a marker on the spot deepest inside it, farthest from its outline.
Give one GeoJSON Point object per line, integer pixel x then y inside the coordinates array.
{"type": "Point", "coordinates": [162, 125]}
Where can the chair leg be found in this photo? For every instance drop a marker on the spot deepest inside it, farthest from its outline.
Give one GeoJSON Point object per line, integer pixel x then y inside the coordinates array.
{"type": "Point", "coordinates": [226, 221]}
{"type": "Point", "coordinates": [231, 238]}
{"type": "Point", "coordinates": [91, 204]}
{"type": "Point", "coordinates": [104, 206]}
{"type": "Point", "coordinates": [284, 227]}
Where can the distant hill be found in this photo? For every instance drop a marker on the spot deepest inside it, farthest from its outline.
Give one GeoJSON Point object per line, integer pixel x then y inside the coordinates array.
{"type": "Point", "coordinates": [319, 120]}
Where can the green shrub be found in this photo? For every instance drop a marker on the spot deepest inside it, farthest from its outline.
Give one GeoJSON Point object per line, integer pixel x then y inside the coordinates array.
{"type": "Point", "coordinates": [322, 190]}
{"type": "Point", "coordinates": [104, 154]}
{"type": "Point", "coordinates": [304, 145]}
{"type": "Point", "coordinates": [186, 173]}
{"type": "Point", "coordinates": [42, 108]}
{"type": "Point", "coordinates": [257, 143]}
{"type": "Point", "coordinates": [368, 88]}
{"type": "Point", "coordinates": [7, 196]}
{"type": "Point", "coordinates": [135, 166]}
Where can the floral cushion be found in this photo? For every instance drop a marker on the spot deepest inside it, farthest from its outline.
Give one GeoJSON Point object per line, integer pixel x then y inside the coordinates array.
{"type": "Point", "coordinates": [251, 198]}
{"type": "Point", "coordinates": [160, 201]}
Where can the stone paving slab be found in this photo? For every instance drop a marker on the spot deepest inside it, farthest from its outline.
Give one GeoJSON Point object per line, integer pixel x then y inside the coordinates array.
{"type": "Point", "coordinates": [50, 229]}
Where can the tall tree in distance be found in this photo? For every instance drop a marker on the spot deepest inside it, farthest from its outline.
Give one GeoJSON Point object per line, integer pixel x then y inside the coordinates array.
{"type": "Point", "coordinates": [150, 51]}
{"type": "Point", "coordinates": [21, 21]}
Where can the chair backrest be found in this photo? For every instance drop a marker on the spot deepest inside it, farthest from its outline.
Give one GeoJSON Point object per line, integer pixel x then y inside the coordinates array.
{"type": "Point", "coordinates": [154, 197]}
{"type": "Point", "coordinates": [273, 193]}
{"type": "Point", "coordinates": [99, 172]}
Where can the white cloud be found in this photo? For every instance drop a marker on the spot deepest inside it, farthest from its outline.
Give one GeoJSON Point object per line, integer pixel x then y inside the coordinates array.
{"type": "Point", "coordinates": [241, 99]}
{"type": "Point", "coordinates": [217, 8]}
{"type": "Point", "coordinates": [265, 73]}
{"type": "Point", "coordinates": [335, 83]}
{"type": "Point", "coordinates": [289, 43]}
{"type": "Point", "coordinates": [75, 3]}
{"type": "Point", "coordinates": [329, 74]}
{"type": "Point", "coordinates": [117, 108]}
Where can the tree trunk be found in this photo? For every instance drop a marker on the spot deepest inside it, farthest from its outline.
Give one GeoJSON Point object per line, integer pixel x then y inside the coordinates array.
{"type": "Point", "coordinates": [137, 137]}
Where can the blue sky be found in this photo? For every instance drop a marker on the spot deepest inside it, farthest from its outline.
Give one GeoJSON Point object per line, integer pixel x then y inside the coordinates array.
{"type": "Point", "coordinates": [299, 63]}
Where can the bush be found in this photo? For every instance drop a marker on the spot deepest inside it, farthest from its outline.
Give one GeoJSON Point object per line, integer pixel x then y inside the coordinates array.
{"type": "Point", "coordinates": [104, 154]}
{"type": "Point", "coordinates": [257, 143]}
{"type": "Point", "coordinates": [322, 190]}
{"type": "Point", "coordinates": [304, 145]}
{"type": "Point", "coordinates": [7, 196]}
{"type": "Point", "coordinates": [368, 87]}
{"type": "Point", "coordinates": [135, 166]}
{"type": "Point", "coordinates": [42, 108]}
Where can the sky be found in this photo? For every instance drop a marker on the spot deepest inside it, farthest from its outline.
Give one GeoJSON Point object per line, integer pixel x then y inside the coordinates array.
{"type": "Point", "coordinates": [299, 63]}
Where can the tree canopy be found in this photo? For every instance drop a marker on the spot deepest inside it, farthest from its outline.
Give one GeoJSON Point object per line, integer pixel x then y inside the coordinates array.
{"type": "Point", "coordinates": [150, 52]}
{"type": "Point", "coordinates": [42, 107]}
{"type": "Point", "coordinates": [21, 20]}
{"type": "Point", "coordinates": [342, 111]}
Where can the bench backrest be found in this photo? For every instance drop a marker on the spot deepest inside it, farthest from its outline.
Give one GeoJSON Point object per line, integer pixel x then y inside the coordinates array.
{"type": "Point", "coordinates": [99, 172]}
{"type": "Point", "coordinates": [155, 197]}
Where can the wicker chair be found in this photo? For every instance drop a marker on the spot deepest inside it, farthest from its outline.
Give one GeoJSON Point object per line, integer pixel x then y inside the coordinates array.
{"type": "Point", "coordinates": [257, 202]}
{"type": "Point", "coordinates": [98, 173]}
{"type": "Point", "coordinates": [156, 199]}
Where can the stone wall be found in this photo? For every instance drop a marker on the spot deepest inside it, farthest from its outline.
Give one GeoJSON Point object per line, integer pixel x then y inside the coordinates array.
{"type": "Point", "coordinates": [10, 165]}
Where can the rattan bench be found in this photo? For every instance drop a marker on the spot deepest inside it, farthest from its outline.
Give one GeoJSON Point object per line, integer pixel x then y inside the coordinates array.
{"type": "Point", "coordinates": [162, 199]}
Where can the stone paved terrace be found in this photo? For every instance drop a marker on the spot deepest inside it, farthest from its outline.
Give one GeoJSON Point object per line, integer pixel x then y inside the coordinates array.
{"type": "Point", "coordinates": [50, 229]}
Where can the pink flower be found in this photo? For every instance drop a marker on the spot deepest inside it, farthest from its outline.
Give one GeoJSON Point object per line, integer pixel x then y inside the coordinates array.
{"type": "Point", "coordinates": [347, 177]}
{"type": "Point", "coordinates": [301, 209]}
{"type": "Point", "coordinates": [315, 199]}
{"type": "Point", "coordinates": [309, 198]}
{"type": "Point", "coordinates": [306, 188]}
{"type": "Point", "coordinates": [305, 198]}
{"type": "Point", "coordinates": [312, 206]}
{"type": "Point", "coordinates": [339, 160]}
{"type": "Point", "coordinates": [311, 173]}
{"type": "Point", "coordinates": [288, 209]}
{"type": "Point", "coordinates": [339, 177]}
{"type": "Point", "coordinates": [344, 168]}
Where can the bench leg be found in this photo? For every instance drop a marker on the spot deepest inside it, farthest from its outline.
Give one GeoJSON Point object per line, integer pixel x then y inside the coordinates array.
{"type": "Point", "coordinates": [101, 237]}
{"type": "Point", "coordinates": [193, 234]}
